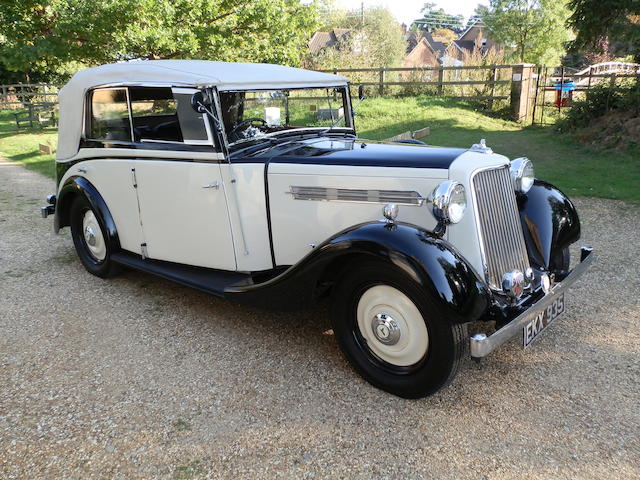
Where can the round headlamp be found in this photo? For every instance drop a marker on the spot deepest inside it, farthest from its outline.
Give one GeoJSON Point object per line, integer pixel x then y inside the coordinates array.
{"type": "Point", "coordinates": [449, 202]}
{"type": "Point", "coordinates": [522, 174]}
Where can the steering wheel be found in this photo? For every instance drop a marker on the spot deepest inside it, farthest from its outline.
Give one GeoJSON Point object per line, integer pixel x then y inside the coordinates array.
{"type": "Point", "coordinates": [246, 123]}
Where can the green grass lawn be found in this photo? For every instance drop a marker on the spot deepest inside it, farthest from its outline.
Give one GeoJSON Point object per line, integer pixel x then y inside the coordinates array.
{"type": "Point", "coordinates": [577, 169]}
{"type": "Point", "coordinates": [22, 145]}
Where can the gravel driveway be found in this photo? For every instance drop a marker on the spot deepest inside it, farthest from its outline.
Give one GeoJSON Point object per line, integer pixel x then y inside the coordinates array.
{"type": "Point", "coordinates": [136, 377]}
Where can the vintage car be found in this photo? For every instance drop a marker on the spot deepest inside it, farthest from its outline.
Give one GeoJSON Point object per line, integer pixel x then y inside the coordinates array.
{"type": "Point", "coordinates": [247, 181]}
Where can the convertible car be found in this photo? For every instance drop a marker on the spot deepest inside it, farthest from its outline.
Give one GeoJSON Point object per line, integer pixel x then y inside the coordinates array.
{"type": "Point", "coordinates": [248, 181]}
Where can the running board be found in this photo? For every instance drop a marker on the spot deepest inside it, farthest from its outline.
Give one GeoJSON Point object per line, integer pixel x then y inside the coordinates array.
{"type": "Point", "coordinates": [206, 280]}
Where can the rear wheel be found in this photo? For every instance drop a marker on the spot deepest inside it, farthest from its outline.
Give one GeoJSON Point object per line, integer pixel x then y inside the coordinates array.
{"type": "Point", "coordinates": [90, 239]}
{"type": "Point", "coordinates": [392, 333]}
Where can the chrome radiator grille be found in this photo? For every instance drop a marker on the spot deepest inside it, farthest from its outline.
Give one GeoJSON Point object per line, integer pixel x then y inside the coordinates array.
{"type": "Point", "coordinates": [502, 242]}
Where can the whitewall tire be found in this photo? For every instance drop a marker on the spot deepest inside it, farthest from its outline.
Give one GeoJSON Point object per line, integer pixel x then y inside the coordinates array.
{"type": "Point", "coordinates": [393, 332]}
{"type": "Point", "coordinates": [90, 239]}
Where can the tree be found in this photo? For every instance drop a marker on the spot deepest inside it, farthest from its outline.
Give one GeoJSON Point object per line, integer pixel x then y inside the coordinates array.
{"type": "Point", "coordinates": [48, 36]}
{"type": "Point", "coordinates": [534, 28]}
{"type": "Point", "coordinates": [375, 39]}
{"type": "Point", "coordinates": [433, 19]}
{"type": "Point", "coordinates": [598, 23]}
{"type": "Point", "coordinates": [474, 18]}
{"type": "Point", "coordinates": [444, 35]}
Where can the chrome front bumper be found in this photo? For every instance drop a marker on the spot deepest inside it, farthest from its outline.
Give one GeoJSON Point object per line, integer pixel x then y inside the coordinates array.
{"type": "Point", "coordinates": [482, 345]}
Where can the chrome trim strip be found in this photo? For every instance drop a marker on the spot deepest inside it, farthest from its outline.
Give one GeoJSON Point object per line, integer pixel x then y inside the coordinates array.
{"type": "Point", "coordinates": [399, 197]}
{"type": "Point", "coordinates": [129, 109]}
{"type": "Point", "coordinates": [482, 345]}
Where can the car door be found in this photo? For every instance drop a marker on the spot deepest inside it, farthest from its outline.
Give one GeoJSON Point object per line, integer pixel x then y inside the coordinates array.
{"type": "Point", "coordinates": [181, 195]}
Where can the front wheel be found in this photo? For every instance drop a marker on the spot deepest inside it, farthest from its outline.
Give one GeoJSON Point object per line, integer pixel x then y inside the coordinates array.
{"type": "Point", "coordinates": [393, 333]}
{"type": "Point", "coordinates": [89, 237]}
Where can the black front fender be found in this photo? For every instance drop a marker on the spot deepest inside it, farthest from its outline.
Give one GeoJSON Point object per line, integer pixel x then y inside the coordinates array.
{"type": "Point", "coordinates": [75, 186]}
{"type": "Point", "coordinates": [549, 221]}
{"type": "Point", "coordinates": [429, 261]}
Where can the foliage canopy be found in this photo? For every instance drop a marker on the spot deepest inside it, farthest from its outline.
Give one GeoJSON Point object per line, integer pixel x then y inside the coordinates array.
{"type": "Point", "coordinates": [434, 18]}
{"type": "Point", "coordinates": [613, 20]}
{"type": "Point", "coordinates": [51, 36]}
{"type": "Point", "coordinates": [534, 28]}
{"type": "Point", "coordinates": [375, 39]}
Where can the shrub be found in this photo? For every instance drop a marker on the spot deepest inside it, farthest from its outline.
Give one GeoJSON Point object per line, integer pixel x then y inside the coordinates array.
{"type": "Point", "coordinates": [609, 117]}
{"type": "Point", "coordinates": [601, 100]}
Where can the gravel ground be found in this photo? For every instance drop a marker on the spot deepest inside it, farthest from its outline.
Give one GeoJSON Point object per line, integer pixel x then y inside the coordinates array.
{"type": "Point", "coordinates": [136, 377]}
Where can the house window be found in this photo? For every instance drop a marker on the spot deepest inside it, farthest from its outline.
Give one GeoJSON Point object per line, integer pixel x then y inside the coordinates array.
{"type": "Point", "coordinates": [110, 115]}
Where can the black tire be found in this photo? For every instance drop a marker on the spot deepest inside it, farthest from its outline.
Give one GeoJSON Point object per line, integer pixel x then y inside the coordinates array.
{"type": "Point", "coordinates": [99, 267]}
{"type": "Point", "coordinates": [447, 342]}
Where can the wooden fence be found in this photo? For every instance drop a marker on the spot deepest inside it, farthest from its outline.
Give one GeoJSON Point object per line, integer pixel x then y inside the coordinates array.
{"type": "Point", "coordinates": [478, 83]}
{"type": "Point", "coordinates": [527, 90]}
{"type": "Point", "coordinates": [24, 95]}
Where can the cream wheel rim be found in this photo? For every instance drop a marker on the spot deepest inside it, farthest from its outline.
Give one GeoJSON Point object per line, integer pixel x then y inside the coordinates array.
{"type": "Point", "coordinates": [392, 326]}
{"type": "Point", "coordinates": [93, 238]}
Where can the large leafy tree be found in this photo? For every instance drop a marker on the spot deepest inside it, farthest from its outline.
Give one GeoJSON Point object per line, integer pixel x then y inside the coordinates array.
{"type": "Point", "coordinates": [375, 40]}
{"type": "Point", "coordinates": [535, 29]}
{"type": "Point", "coordinates": [598, 23]}
{"type": "Point", "coordinates": [48, 36]}
{"type": "Point", "coordinates": [435, 18]}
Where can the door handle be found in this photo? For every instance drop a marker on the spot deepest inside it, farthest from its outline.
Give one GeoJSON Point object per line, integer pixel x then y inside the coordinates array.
{"type": "Point", "coordinates": [214, 185]}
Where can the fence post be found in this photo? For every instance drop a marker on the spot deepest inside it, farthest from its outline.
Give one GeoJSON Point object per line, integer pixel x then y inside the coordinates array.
{"type": "Point", "coordinates": [561, 87]}
{"type": "Point", "coordinates": [494, 78]}
{"type": "Point", "coordinates": [521, 91]}
{"type": "Point", "coordinates": [440, 81]}
{"type": "Point", "coordinates": [535, 96]}
{"type": "Point", "coordinates": [381, 83]}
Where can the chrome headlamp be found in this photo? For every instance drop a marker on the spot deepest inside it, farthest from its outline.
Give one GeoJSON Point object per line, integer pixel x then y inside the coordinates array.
{"type": "Point", "coordinates": [449, 202]}
{"type": "Point", "coordinates": [522, 174]}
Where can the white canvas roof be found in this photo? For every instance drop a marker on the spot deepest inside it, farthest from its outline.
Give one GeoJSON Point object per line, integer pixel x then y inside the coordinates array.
{"type": "Point", "coordinates": [199, 73]}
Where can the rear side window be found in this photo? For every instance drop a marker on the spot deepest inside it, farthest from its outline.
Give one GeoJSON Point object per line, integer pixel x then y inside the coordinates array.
{"type": "Point", "coordinates": [165, 115]}
{"type": "Point", "coordinates": [156, 114]}
{"type": "Point", "coordinates": [110, 115]}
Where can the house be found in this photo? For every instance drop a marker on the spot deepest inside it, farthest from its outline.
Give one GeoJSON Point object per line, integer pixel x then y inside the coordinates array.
{"type": "Point", "coordinates": [475, 40]}
{"type": "Point", "coordinates": [321, 40]}
{"type": "Point", "coordinates": [423, 50]}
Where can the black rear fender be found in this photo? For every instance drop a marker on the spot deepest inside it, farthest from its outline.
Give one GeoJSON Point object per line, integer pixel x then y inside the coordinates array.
{"type": "Point", "coordinates": [72, 188]}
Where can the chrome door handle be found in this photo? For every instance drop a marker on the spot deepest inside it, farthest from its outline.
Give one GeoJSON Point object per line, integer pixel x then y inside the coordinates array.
{"type": "Point", "coordinates": [214, 185]}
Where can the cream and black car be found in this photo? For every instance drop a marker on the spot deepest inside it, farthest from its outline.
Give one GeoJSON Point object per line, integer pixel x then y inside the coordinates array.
{"type": "Point", "coordinates": [247, 181]}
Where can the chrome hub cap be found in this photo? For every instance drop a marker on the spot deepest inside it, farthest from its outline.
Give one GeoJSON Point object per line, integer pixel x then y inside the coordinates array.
{"type": "Point", "coordinates": [386, 329]}
{"type": "Point", "coordinates": [93, 236]}
{"type": "Point", "coordinates": [392, 326]}
{"type": "Point", "coordinates": [90, 236]}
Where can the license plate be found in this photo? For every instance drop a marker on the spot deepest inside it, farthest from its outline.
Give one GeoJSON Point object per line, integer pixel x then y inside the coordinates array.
{"type": "Point", "coordinates": [542, 320]}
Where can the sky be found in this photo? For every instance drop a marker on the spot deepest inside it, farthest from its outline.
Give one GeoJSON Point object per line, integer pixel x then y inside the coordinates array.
{"type": "Point", "coordinates": [406, 11]}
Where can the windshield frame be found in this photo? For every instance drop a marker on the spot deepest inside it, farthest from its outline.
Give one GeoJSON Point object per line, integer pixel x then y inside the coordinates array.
{"type": "Point", "coordinates": [348, 128]}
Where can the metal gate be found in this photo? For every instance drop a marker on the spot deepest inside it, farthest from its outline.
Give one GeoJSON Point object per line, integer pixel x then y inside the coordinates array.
{"type": "Point", "coordinates": [556, 88]}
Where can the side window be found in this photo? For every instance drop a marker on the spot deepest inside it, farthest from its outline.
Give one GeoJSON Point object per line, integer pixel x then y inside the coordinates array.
{"type": "Point", "coordinates": [165, 115]}
{"type": "Point", "coordinates": [195, 127]}
{"type": "Point", "coordinates": [110, 115]}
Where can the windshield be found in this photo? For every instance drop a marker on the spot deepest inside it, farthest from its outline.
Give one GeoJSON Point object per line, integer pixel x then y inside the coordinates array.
{"type": "Point", "coordinates": [253, 114]}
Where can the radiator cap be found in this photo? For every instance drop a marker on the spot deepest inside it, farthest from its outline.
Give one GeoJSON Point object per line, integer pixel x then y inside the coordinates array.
{"type": "Point", "coordinates": [481, 147]}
